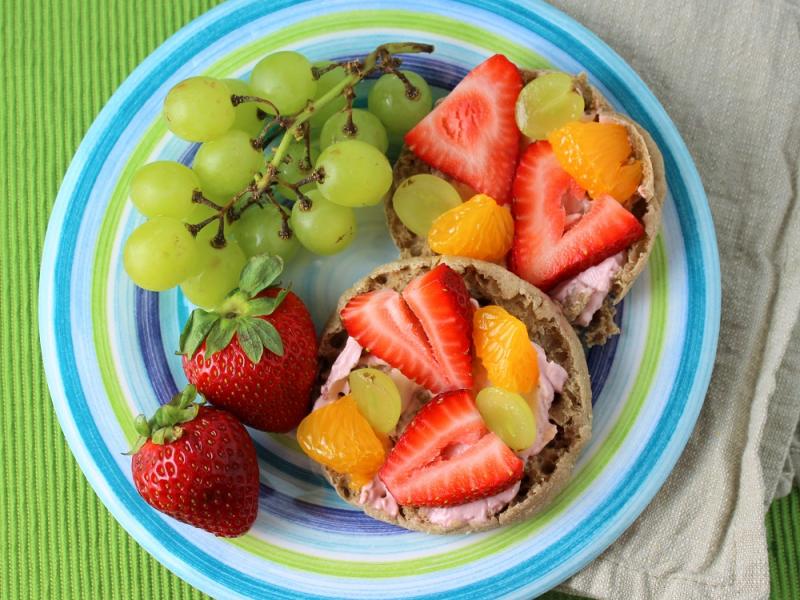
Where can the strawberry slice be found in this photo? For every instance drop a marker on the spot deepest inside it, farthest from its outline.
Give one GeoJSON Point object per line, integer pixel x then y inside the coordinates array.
{"type": "Point", "coordinates": [546, 251]}
{"type": "Point", "coordinates": [447, 456]}
{"type": "Point", "coordinates": [472, 135]}
{"type": "Point", "coordinates": [440, 301]}
{"type": "Point", "coordinates": [383, 324]}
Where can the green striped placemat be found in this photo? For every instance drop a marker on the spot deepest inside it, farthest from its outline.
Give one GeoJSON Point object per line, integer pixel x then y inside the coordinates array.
{"type": "Point", "coordinates": [61, 61]}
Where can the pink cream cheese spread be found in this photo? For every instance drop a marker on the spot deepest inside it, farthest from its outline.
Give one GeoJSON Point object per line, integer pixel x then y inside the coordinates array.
{"type": "Point", "coordinates": [595, 282]}
{"type": "Point", "coordinates": [552, 378]}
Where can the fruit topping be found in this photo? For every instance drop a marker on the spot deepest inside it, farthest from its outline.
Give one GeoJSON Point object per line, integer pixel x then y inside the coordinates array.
{"type": "Point", "coordinates": [441, 302]}
{"type": "Point", "coordinates": [421, 198]}
{"type": "Point", "coordinates": [478, 228]}
{"type": "Point", "coordinates": [472, 135]}
{"type": "Point", "coordinates": [285, 79]}
{"type": "Point", "coordinates": [447, 456]}
{"type": "Point", "coordinates": [219, 271]}
{"type": "Point", "coordinates": [199, 109]}
{"type": "Point", "coordinates": [547, 103]}
{"type": "Point", "coordinates": [384, 325]}
{"type": "Point", "coordinates": [197, 464]}
{"type": "Point", "coordinates": [355, 173]}
{"type": "Point", "coordinates": [508, 415]}
{"type": "Point", "coordinates": [256, 356]}
{"type": "Point", "coordinates": [502, 344]}
{"type": "Point", "coordinates": [400, 103]}
{"type": "Point", "coordinates": [338, 436]}
{"type": "Point", "coordinates": [160, 253]}
{"type": "Point", "coordinates": [226, 164]}
{"type": "Point", "coordinates": [377, 397]}
{"type": "Point", "coordinates": [598, 156]}
{"type": "Point", "coordinates": [258, 231]}
{"type": "Point", "coordinates": [164, 189]}
{"type": "Point", "coordinates": [545, 252]}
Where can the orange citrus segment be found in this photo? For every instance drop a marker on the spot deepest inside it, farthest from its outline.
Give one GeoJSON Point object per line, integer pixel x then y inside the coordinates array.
{"type": "Point", "coordinates": [479, 228]}
{"type": "Point", "coordinates": [339, 437]}
{"type": "Point", "coordinates": [598, 156]}
{"type": "Point", "coordinates": [502, 344]}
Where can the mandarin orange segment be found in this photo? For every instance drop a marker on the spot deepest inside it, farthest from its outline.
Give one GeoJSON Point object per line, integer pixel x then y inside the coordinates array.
{"type": "Point", "coordinates": [339, 437]}
{"type": "Point", "coordinates": [502, 345]}
{"type": "Point", "coordinates": [479, 228]}
{"type": "Point", "coordinates": [598, 156]}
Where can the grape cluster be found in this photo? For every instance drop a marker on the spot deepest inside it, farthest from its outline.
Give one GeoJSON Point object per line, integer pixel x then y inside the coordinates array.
{"type": "Point", "coordinates": [284, 159]}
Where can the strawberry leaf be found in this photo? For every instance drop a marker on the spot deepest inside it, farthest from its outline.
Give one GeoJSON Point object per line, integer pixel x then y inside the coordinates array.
{"type": "Point", "coordinates": [220, 336]}
{"type": "Point", "coordinates": [270, 337]}
{"type": "Point", "coordinates": [250, 340]}
{"type": "Point", "coordinates": [258, 307]}
{"type": "Point", "coordinates": [197, 328]}
{"type": "Point", "coordinates": [259, 273]}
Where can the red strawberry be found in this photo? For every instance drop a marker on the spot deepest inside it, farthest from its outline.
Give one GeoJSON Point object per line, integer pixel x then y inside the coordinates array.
{"type": "Point", "coordinates": [545, 251]}
{"type": "Point", "coordinates": [447, 456]}
{"type": "Point", "coordinates": [472, 135]}
{"type": "Point", "coordinates": [440, 301]}
{"type": "Point", "coordinates": [256, 356]}
{"type": "Point", "coordinates": [383, 324]}
{"type": "Point", "coordinates": [197, 465]}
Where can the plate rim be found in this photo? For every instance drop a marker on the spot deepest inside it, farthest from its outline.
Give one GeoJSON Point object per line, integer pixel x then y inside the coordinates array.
{"type": "Point", "coordinates": [594, 47]}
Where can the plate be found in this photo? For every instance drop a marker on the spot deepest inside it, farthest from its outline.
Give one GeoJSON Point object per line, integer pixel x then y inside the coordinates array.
{"type": "Point", "coordinates": [109, 348]}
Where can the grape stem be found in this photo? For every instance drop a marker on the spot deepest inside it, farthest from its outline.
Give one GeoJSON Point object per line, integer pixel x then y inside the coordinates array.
{"type": "Point", "coordinates": [199, 198]}
{"type": "Point", "coordinates": [390, 66]}
{"type": "Point", "coordinates": [236, 100]}
{"type": "Point", "coordinates": [296, 127]}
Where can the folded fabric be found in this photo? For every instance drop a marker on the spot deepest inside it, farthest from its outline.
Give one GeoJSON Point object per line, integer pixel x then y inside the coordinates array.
{"type": "Point", "coordinates": [726, 73]}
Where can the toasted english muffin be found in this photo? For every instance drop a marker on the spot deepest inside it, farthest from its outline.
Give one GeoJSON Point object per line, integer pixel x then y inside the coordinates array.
{"type": "Point", "coordinates": [646, 205]}
{"type": "Point", "coordinates": [547, 472]}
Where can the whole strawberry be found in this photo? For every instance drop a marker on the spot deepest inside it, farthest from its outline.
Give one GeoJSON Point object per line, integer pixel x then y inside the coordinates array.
{"type": "Point", "coordinates": [256, 356]}
{"type": "Point", "coordinates": [198, 465]}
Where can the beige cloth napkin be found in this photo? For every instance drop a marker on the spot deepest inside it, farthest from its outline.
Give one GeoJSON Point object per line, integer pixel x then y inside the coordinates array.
{"type": "Point", "coordinates": [728, 73]}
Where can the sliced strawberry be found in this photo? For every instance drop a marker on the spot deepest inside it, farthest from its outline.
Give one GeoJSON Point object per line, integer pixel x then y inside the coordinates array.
{"type": "Point", "coordinates": [472, 135]}
{"type": "Point", "coordinates": [440, 301]}
{"type": "Point", "coordinates": [546, 252]}
{"type": "Point", "coordinates": [447, 456]}
{"type": "Point", "coordinates": [383, 324]}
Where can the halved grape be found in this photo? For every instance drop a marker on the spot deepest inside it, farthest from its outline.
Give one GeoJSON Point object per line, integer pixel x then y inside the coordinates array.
{"type": "Point", "coordinates": [509, 416]}
{"type": "Point", "coordinates": [247, 114]}
{"type": "Point", "coordinates": [368, 129]}
{"type": "Point", "coordinates": [356, 173]}
{"type": "Point", "coordinates": [377, 397]}
{"type": "Point", "coordinates": [421, 198]}
{"type": "Point", "coordinates": [285, 79]}
{"type": "Point", "coordinates": [227, 164]}
{"type": "Point", "coordinates": [547, 103]}
{"type": "Point", "coordinates": [324, 84]}
{"type": "Point", "coordinates": [220, 270]}
{"type": "Point", "coordinates": [164, 189]}
{"type": "Point", "coordinates": [199, 109]}
{"type": "Point", "coordinates": [326, 228]}
{"type": "Point", "coordinates": [294, 167]}
{"type": "Point", "coordinates": [388, 101]}
{"type": "Point", "coordinates": [257, 232]}
{"type": "Point", "coordinates": [160, 253]}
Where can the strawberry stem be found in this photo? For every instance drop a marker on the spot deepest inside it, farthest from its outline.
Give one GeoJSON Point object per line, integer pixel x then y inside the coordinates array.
{"type": "Point", "coordinates": [164, 426]}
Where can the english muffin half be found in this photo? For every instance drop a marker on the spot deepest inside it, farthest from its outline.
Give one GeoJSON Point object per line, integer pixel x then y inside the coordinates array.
{"type": "Point", "coordinates": [546, 471]}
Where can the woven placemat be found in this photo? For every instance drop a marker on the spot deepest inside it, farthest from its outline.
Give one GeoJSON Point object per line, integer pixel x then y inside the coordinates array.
{"type": "Point", "coordinates": [61, 61]}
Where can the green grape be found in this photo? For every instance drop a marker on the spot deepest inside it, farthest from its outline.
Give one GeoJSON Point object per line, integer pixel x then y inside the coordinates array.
{"type": "Point", "coordinates": [368, 129]}
{"type": "Point", "coordinates": [388, 101]}
{"type": "Point", "coordinates": [164, 189]}
{"type": "Point", "coordinates": [509, 416]}
{"type": "Point", "coordinates": [292, 169]}
{"type": "Point", "coordinates": [257, 232]}
{"type": "Point", "coordinates": [326, 228]}
{"type": "Point", "coordinates": [247, 118]}
{"type": "Point", "coordinates": [421, 198]}
{"type": "Point", "coordinates": [377, 397]}
{"type": "Point", "coordinates": [160, 253]}
{"type": "Point", "coordinates": [547, 103]}
{"type": "Point", "coordinates": [227, 164]}
{"type": "Point", "coordinates": [200, 212]}
{"type": "Point", "coordinates": [199, 109]}
{"type": "Point", "coordinates": [285, 79]}
{"type": "Point", "coordinates": [356, 173]}
{"type": "Point", "coordinates": [219, 271]}
{"type": "Point", "coordinates": [324, 84]}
